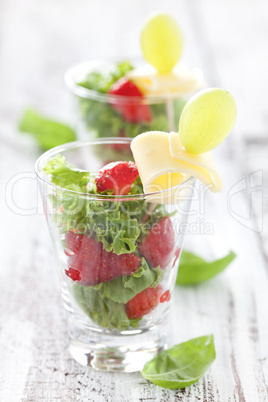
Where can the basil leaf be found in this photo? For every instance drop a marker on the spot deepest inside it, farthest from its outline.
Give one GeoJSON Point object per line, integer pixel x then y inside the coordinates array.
{"type": "Point", "coordinates": [104, 312]}
{"type": "Point", "coordinates": [48, 133]}
{"type": "Point", "coordinates": [194, 269]}
{"type": "Point", "coordinates": [124, 288]}
{"type": "Point", "coordinates": [181, 365]}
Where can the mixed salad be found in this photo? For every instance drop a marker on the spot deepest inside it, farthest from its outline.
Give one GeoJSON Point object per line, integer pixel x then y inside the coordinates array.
{"type": "Point", "coordinates": [117, 250]}
{"type": "Point", "coordinates": [127, 119]}
{"type": "Point", "coordinates": [154, 92]}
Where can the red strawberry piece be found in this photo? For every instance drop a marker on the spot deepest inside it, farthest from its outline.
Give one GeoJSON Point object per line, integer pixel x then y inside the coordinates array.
{"type": "Point", "coordinates": [73, 241]}
{"type": "Point", "coordinates": [131, 110]}
{"type": "Point", "coordinates": [165, 297]}
{"type": "Point", "coordinates": [144, 302]}
{"type": "Point", "coordinates": [177, 254]}
{"type": "Point", "coordinates": [73, 274]}
{"type": "Point", "coordinates": [117, 176]}
{"type": "Point", "coordinates": [90, 264]}
{"type": "Point", "coordinates": [158, 246]}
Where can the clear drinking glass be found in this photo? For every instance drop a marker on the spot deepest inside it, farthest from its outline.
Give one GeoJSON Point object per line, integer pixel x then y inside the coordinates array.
{"type": "Point", "coordinates": [98, 114]}
{"type": "Point", "coordinates": [135, 239]}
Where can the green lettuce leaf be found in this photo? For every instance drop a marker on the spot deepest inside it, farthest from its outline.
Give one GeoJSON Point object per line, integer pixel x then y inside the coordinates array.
{"type": "Point", "coordinates": [119, 226]}
{"type": "Point", "coordinates": [105, 312]}
{"type": "Point", "coordinates": [66, 176]}
{"type": "Point", "coordinates": [182, 365]}
{"type": "Point", "coordinates": [109, 222]}
{"type": "Point", "coordinates": [194, 269]}
{"type": "Point", "coordinates": [105, 303]}
{"type": "Point", "coordinates": [48, 133]}
{"type": "Point", "coordinates": [124, 288]}
{"type": "Point", "coordinates": [102, 82]}
{"type": "Point", "coordinates": [101, 118]}
{"type": "Point", "coordinates": [117, 232]}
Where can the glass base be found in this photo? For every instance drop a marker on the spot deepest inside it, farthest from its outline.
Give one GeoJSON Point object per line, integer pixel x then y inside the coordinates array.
{"type": "Point", "coordinates": [123, 353]}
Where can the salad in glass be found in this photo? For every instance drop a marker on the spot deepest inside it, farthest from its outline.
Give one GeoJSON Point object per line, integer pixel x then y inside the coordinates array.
{"type": "Point", "coordinates": [126, 98]}
{"type": "Point", "coordinates": [117, 229]}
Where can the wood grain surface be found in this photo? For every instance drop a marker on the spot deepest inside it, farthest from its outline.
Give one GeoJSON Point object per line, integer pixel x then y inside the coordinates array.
{"type": "Point", "coordinates": [39, 41]}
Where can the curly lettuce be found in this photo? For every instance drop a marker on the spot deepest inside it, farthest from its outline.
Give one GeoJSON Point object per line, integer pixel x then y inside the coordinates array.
{"type": "Point", "coordinates": [105, 302]}
{"type": "Point", "coordinates": [118, 225]}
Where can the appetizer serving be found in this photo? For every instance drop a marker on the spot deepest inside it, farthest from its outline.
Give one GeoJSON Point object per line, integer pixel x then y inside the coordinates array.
{"type": "Point", "coordinates": [117, 229]}
{"type": "Point", "coordinates": [125, 98]}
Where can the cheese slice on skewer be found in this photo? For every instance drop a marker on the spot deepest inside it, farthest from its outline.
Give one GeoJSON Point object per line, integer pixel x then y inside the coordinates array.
{"type": "Point", "coordinates": [180, 81]}
{"type": "Point", "coordinates": [164, 163]}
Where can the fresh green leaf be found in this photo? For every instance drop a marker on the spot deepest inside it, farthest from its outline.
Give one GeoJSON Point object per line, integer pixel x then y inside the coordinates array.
{"type": "Point", "coordinates": [119, 230]}
{"type": "Point", "coordinates": [48, 133]}
{"type": "Point", "coordinates": [116, 224]}
{"type": "Point", "coordinates": [102, 82]}
{"type": "Point", "coordinates": [194, 269]}
{"type": "Point", "coordinates": [105, 312]}
{"type": "Point", "coordinates": [110, 222]}
{"type": "Point", "coordinates": [124, 288]}
{"type": "Point", "coordinates": [101, 118]}
{"type": "Point", "coordinates": [181, 365]}
{"type": "Point", "coordinates": [66, 176]}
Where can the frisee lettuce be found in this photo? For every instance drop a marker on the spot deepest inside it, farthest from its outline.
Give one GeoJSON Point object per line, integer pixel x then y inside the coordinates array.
{"type": "Point", "coordinates": [116, 224]}
{"type": "Point", "coordinates": [66, 176]}
{"type": "Point", "coordinates": [119, 226]}
{"type": "Point", "coordinates": [102, 82]}
{"type": "Point", "coordinates": [102, 120]}
{"type": "Point", "coordinates": [124, 288]}
{"type": "Point", "coordinates": [105, 303]}
{"type": "Point", "coordinates": [104, 312]}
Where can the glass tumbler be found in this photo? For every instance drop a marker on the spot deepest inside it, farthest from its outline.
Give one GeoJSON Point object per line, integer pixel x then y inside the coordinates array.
{"type": "Point", "coordinates": [117, 260]}
{"type": "Point", "coordinates": [100, 114]}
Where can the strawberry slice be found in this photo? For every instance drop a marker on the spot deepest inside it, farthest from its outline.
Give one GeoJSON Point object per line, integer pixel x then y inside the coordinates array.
{"type": "Point", "coordinates": [132, 111]}
{"type": "Point", "coordinates": [89, 264]}
{"type": "Point", "coordinates": [158, 246]}
{"type": "Point", "coordinates": [117, 176]}
{"type": "Point", "coordinates": [144, 302]}
{"type": "Point", "coordinates": [177, 254]}
{"type": "Point", "coordinates": [165, 297]}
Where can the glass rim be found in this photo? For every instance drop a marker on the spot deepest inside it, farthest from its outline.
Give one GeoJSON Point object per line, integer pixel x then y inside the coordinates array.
{"type": "Point", "coordinates": [80, 143]}
{"type": "Point", "coordinates": [83, 92]}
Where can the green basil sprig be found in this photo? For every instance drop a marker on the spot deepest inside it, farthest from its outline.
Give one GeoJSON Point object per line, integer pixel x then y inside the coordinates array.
{"type": "Point", "coordinates": [194, 269]}
{"type": "Point", "coordinates": [182, 365]}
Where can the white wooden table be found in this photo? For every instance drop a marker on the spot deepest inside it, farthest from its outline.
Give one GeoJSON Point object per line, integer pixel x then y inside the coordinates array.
{"type": "Point", "coordinates": [228, 40]}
